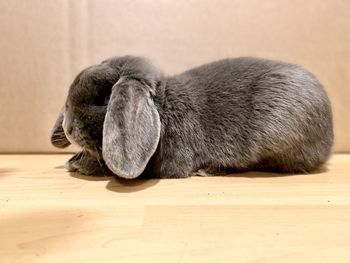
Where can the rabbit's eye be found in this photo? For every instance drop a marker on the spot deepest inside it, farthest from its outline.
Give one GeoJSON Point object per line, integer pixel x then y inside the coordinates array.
{"type": "Point", "coordinates": [102, 99]}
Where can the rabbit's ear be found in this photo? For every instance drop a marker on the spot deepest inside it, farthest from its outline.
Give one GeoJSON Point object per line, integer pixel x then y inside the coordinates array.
{"type": "Point", "coordinates": [58, 138]}
{"type": "Point", "coordinates": [131, 128]}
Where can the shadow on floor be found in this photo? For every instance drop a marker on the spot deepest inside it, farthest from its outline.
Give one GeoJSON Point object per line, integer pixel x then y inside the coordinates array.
{"type": "Point", "coordinates": [119, 185]}
{"type": "Point", "coordinates": [263, 174]}
{"type": "Point", "coordinates": [89, 177]}
{"type": "Point", "coordinates": [128, 186]}
{"type": "Point", "coordinates": [60, 167]}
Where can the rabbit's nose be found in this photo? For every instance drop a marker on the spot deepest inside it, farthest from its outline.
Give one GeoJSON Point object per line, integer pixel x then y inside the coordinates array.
{"type": "Point", "coordinates": [67, 124]}
{"type": "Point", "coordinates": [70, 129]}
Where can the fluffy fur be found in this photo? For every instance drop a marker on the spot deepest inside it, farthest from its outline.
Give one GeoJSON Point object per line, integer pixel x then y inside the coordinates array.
{"type": "Point", "coordinates": [240, 114]}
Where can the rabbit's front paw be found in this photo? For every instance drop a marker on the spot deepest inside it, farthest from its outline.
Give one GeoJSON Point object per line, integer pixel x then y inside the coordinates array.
{"type": "Point", "coordinates": [86, 164]}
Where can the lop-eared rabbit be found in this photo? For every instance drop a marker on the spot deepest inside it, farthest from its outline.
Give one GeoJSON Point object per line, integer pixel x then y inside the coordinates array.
{"type": "Point", "coordinates": [237, 114]}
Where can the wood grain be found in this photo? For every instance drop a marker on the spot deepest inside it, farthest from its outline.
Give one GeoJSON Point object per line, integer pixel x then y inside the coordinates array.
{"type": "Point", "coordinates": [50, 215]}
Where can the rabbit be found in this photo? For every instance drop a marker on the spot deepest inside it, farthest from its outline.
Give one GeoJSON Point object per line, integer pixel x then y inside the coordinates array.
{"type": "Point", "coordinates": [238, 114]}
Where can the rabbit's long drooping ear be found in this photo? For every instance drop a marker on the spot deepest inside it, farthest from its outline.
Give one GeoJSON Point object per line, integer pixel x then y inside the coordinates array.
{"type": "Point", "coordinates": [131, 128]}
{"type": "Point", "coordinates": [58, 138]}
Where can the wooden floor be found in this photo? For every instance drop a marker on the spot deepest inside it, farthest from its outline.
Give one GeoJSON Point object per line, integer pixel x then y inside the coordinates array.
{"type": "Point", "coordinates": [49, 215]}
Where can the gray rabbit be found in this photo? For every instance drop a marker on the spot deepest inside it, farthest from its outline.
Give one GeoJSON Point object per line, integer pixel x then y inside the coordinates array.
{"type": "Point", "coordinates": [236, 114]}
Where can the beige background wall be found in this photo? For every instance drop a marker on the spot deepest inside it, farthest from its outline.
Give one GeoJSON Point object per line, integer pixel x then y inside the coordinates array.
{"type": "Point", "coordinates": [43, 44]}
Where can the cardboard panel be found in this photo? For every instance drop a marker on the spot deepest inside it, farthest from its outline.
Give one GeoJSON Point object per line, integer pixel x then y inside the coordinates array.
{"type": "Point", "coordinates": [45, 44]}
{"type": "Point", "coordinates": [40, 50]}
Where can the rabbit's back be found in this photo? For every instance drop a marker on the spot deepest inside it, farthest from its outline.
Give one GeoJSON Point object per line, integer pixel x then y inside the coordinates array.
{"type": "Point", "coordinates": [249, 112]}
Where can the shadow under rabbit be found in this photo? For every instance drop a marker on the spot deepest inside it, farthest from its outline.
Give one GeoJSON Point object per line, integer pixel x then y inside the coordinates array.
{"type": "Point", "coordinates": [116, 184]}
{"type": "Point", "coordinates": [81, 176]}
{"type": "Point", "coordinates": [266, 174]}
{"type": "Point", "coordinates": [120, 185]}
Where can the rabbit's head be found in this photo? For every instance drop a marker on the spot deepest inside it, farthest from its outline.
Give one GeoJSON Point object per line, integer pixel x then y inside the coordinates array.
{"type": "Point", "coordinates": [110, 112]}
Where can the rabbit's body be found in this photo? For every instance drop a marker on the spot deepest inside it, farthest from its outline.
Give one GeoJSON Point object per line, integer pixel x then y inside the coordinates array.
{"type": "Point", "coordinates": [243, 113]}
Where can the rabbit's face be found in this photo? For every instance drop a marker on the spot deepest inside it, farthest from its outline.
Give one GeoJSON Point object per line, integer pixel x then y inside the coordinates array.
{"type": "Point", "coordinates": [86, 107]}
{"type": "Point", "coordinates": [110, 112]}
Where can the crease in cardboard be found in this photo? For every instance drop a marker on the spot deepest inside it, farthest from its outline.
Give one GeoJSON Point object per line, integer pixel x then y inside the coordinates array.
{"type": "Point", "coordinates": [79, 35]}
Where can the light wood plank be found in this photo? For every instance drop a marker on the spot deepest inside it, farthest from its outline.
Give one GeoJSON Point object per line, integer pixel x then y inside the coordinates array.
{"type": "Point", "coordinates": [49, 215]}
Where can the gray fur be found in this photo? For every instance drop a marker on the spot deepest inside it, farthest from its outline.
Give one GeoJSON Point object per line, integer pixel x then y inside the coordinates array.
{"type": "Point", "coordinates": [131, 129]}
{"type": "Point", "coordinates": [58, 138]}
{"type": "Point", "coordinates": [88, 164]}
{"type": "Point", "coordinates": [240, 114]}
